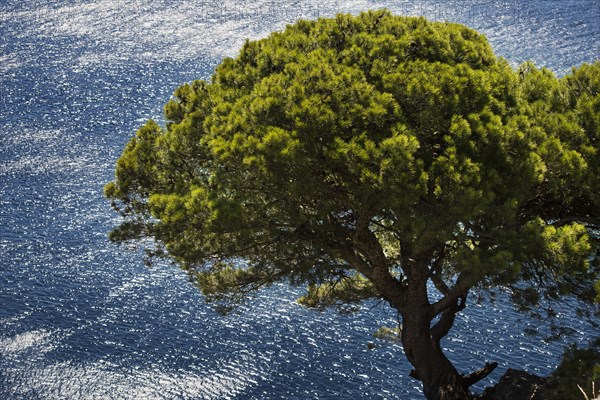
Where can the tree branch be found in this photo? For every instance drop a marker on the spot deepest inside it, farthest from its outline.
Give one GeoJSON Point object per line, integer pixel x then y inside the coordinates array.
{"type": "Point", "coordinates": [476, 376]}
{"type": "Point", "coordinates": [435, 275]}
{"type": "Point", "coordinates": [446, 321]}
{"type": "Point", "coordinates": [464, 282]}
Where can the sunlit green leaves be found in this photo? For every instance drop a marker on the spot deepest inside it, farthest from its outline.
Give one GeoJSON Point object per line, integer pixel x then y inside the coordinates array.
{"type": "Point", "coordinates": [345, 293]}
{"type": "Point", "coordinates": [412, 128]}
{"type": "Point", "coordinates": [224, 278]}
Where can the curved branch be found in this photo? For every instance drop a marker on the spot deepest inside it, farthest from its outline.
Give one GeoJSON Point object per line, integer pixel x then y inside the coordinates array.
{"type": "Point", "coordinates": [464, 282]}
{"type": "Point", "coordinates": [366, 243]}
{"type": "Point", "coordinates": [446, 321]}
{"type": "Point", "coordinates": [390, 288]}
{"type": "Point", "coordinates": [476, 376]}
{"type": "Point", "coordinates": [436, 278]}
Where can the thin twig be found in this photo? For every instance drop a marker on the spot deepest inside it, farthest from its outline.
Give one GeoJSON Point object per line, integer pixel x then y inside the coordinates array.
{"type": "Point", "coordinates": [585, 396]}
{"type": "Point", "coordinates": [534, 392]}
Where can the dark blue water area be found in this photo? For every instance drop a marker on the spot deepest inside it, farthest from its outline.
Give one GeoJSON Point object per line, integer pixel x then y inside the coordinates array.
{"type": "Point", "coordinates": [81, 318]}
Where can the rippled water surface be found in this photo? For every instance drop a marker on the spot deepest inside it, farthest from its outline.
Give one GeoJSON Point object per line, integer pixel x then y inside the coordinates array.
{"type": "Point", "coordinates": [83, 319]}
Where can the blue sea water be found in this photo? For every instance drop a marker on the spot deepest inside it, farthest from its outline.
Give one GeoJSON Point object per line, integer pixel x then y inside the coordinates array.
{"type": "Point", "coordinates": [81, 318]}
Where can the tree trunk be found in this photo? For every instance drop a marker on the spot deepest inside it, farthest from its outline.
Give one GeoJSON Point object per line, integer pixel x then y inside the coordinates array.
{"type": "Point", "coordinates": [441, 381]}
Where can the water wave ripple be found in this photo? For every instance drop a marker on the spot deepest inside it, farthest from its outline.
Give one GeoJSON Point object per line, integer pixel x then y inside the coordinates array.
{"type": "Point", "coordinates": [83, 319]}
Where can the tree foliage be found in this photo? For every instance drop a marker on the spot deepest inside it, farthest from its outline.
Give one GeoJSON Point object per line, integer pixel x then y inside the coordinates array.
{"type": "Point", "coordinates": [578, 371]}
{"type": "Point", "coordinates": [374, 156]}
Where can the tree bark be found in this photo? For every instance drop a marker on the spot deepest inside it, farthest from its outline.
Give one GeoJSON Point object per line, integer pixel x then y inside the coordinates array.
{"type": "Point", "coordinates": [421, 340]}
{"type": "Point", "coordinates": [441, 381]}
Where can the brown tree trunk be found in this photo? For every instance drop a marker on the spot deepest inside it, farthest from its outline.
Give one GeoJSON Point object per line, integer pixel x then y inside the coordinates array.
{"type": "Point", "coordinates": [441, 381]}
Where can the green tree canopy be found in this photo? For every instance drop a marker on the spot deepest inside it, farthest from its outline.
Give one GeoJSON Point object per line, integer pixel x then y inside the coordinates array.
{"type": "Point", "coordinates": [375, 156]}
